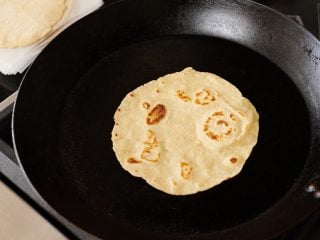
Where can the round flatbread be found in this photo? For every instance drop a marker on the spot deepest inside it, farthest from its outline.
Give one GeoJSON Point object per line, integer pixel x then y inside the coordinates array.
{"type": "Point", "coordinates": [25, 22]}
{"type": "Point", "coordinates": [185, 132]}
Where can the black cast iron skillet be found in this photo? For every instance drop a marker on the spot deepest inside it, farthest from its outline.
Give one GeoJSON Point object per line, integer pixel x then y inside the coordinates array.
{"type": "Point", "coordinates": [63, 118]}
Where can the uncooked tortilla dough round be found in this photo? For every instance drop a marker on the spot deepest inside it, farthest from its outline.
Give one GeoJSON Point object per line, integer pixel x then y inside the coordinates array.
{"type": "Point", "coordinates": [23, 22]}
{"type": "Point", "coordinates": [185, 132]}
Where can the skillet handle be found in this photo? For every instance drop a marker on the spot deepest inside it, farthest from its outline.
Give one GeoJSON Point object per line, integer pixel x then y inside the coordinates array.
{"type": "Point", "coordinates": [6, 107]}
{"type": "Point", "coordinates": [9, 166]}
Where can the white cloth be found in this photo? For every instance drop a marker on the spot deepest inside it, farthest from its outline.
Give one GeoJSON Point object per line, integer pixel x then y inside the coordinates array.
{"type": "Point", "coordinates": [16, 60]}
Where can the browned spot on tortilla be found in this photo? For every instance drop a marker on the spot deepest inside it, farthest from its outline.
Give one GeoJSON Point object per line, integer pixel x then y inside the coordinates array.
{"type": "Point", "coordinates": [206, 125]}
{"type": "Point", "coordinates": [119, 109]}
{"type": "Point", "coordinates": [233, 160]}
{"type": "Point", "coordinates": [132, 160]}
{"type": "Point", "coordinates": [151, 139]}
{"type": "Point", "coordinates": [213, 136]}
{"type": "Point", "coordinates": [151, 145]}
{"type": "Point", "coordinates": [223, 122]}
{"type": "Point", "coordinates": [183, 96]}
{"type": "Point", "coordinates": [233, 117]}
{"type": "Point", "coordinates": [186, 170]}
{"type": "Point", "coordinates": [116, 134]}
{"type": "Point", "coordinates": [229, 132]}
{"type": "Point", "coordinates": [132, 94]}
{"type": "Point", "coordinates": [145, 157]}
{"type": "Point", "coordinates": [157, 90]}
{"type": "Point", "coordinates": [204, 97]}
{"type": "Point", "coordinates": [241, 113]}
{"type": "Point", "coordinates": [156, 114]}
{"type": "Point", "coordinates": [218, 114]}
{"type": "Point", "coordinates": [146, 105]}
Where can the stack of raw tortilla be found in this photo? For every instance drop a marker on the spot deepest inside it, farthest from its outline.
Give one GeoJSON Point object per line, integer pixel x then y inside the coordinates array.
{"type": "Point", "coordinates": [28, 26]}
{"type": "Point", "coordinates": [25, 22]}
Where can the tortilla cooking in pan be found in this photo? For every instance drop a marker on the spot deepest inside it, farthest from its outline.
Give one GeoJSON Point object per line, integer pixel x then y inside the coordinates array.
{"type": "Point", "coordinates": [185, 132]}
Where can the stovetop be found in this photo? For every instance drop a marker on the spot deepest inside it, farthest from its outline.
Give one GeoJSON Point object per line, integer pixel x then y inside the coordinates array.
{"type": "Point", "coordinates": [304, 12]}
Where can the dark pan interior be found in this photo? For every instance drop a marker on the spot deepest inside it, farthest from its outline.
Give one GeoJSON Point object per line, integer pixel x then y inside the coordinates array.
{"type": "Point", "coordinates": [94, 175]}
